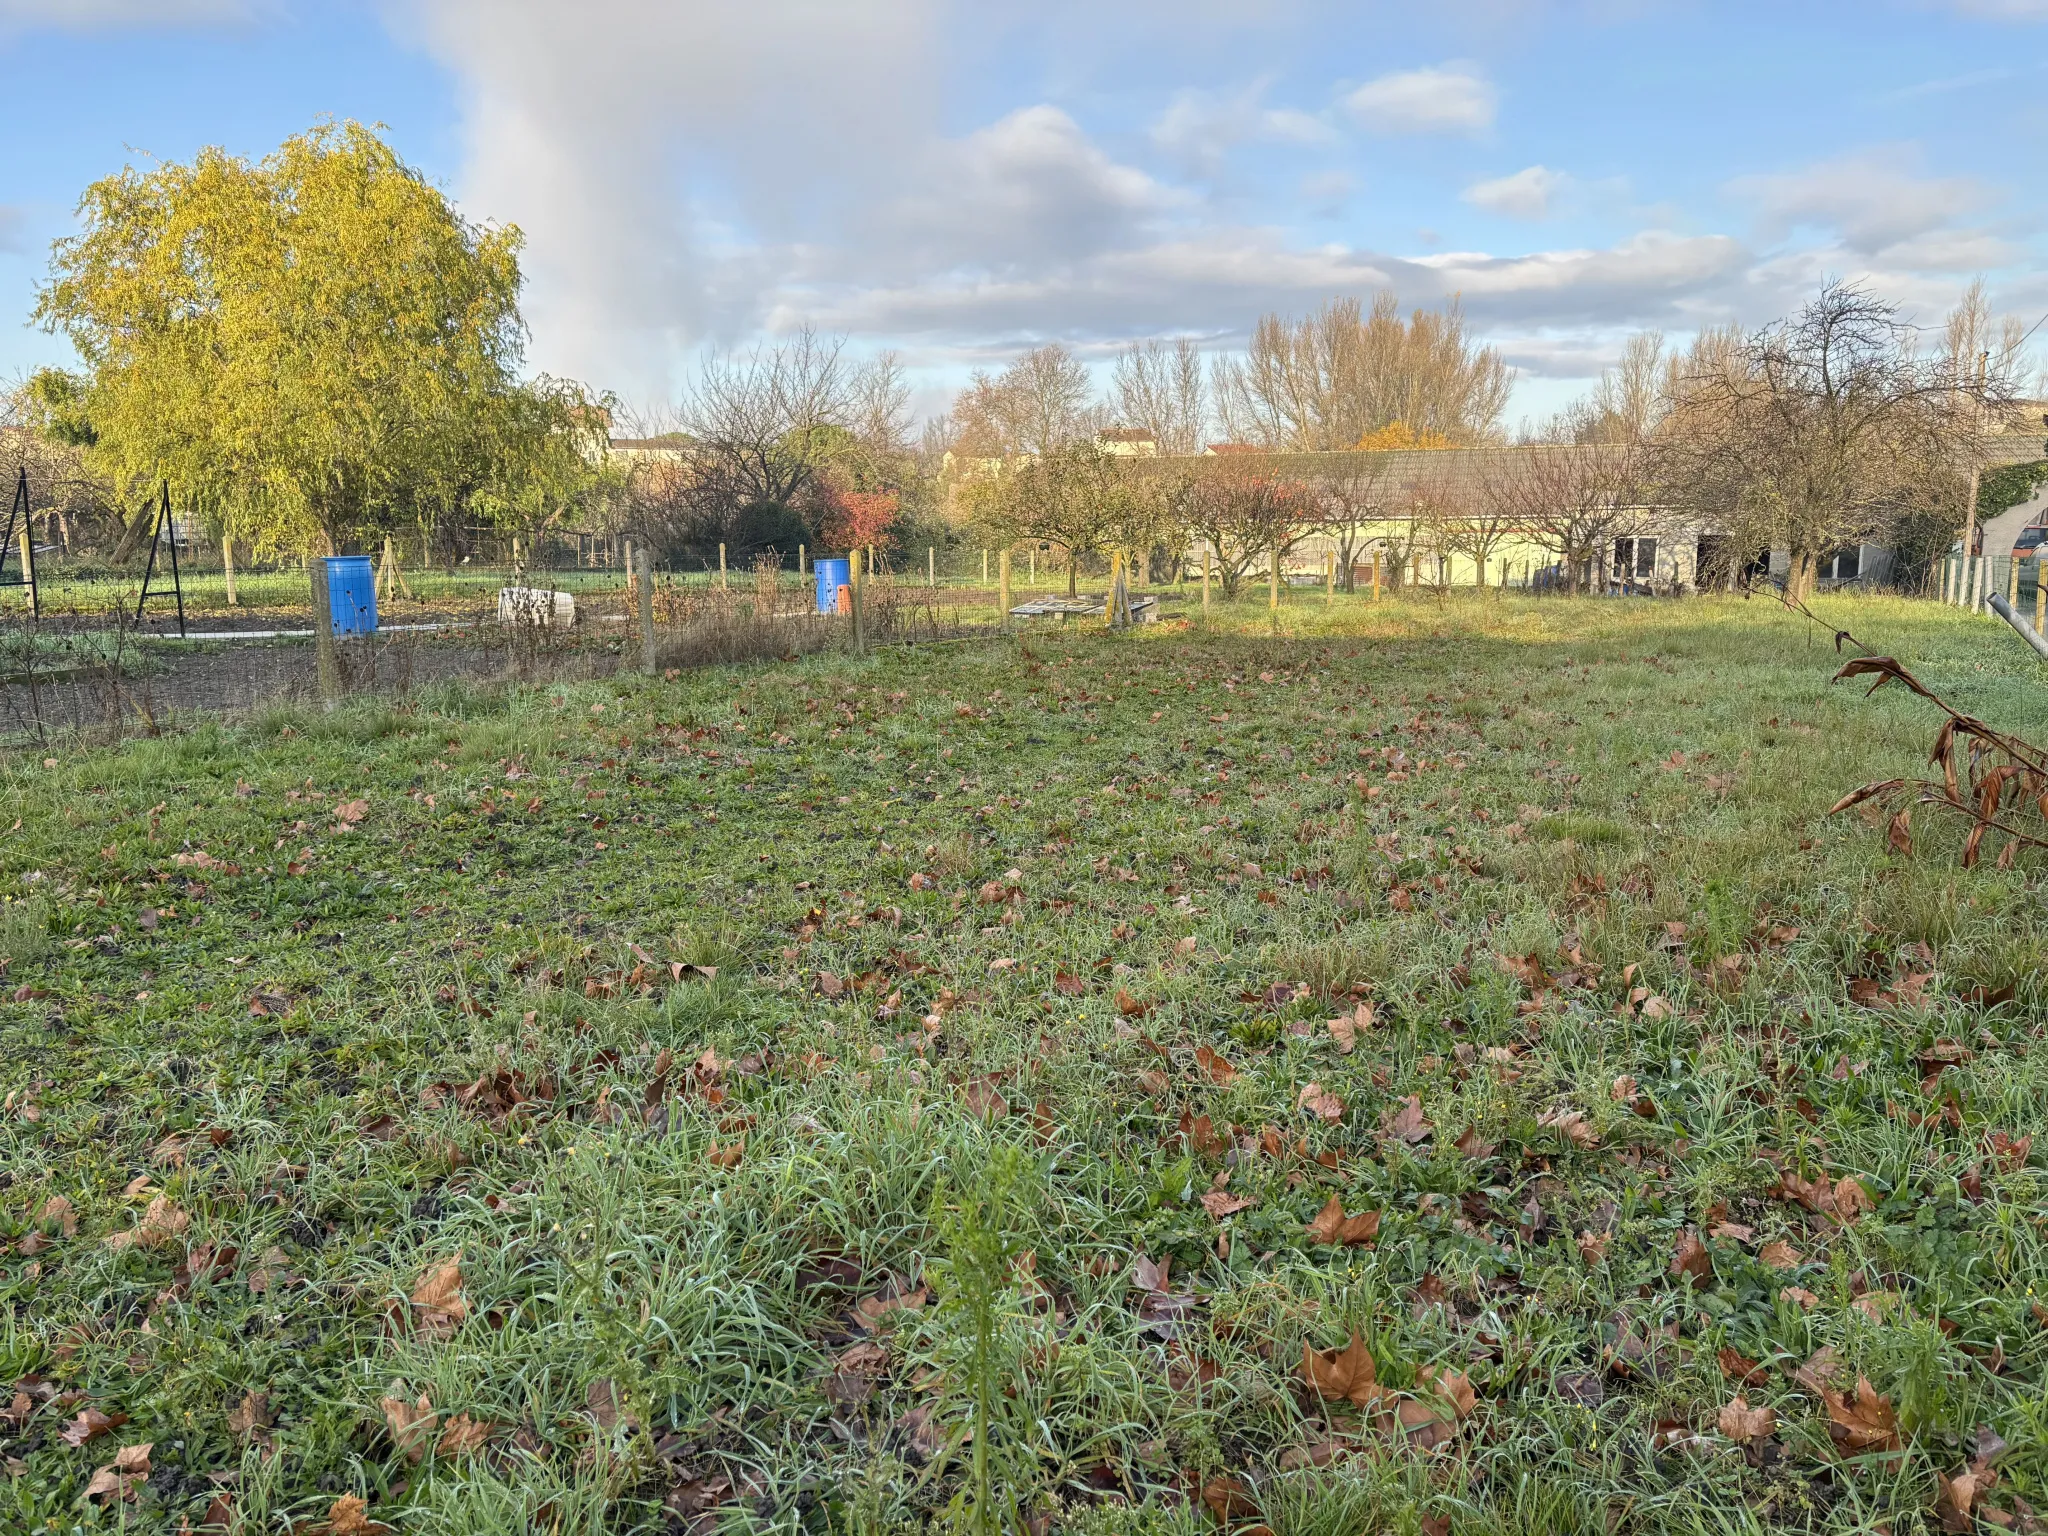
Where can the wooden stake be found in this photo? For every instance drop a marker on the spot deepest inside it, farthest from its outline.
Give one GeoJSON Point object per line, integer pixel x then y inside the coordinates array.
{"type": "Point", "coordinates": [800, 560]}
{"type": "Point", "coordinates": [1329, 578]}
{"type": "Point", "coordinates": [646, 596]}
{"type": "Point", "coordinates": [984, 567]}
{"type": "Point", "coordinates": [1206, 553]}
{"type": "Point", "coordinates": [227, 560]}
{"type": "Point", "coordinates": [1375, 575]}
{"type": "Point", "coordinates": [721, 566]}
{"type": "Point", "coordinates": [2040, 597]}
{"type": "Point", "coordinates": [1003, 587]}
{"type": "Point", "coordinates": [931, 566]}
{"type": "Point", "coordinates": [2012, 582]}
{"type": "Point", "coordinates": [860, 639]}
{"type": "Point", "coordinates": [328, 663]}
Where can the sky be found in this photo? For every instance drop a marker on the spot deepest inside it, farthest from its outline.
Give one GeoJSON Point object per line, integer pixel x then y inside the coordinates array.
{"type": "Point", "coordinates": [958, 180]}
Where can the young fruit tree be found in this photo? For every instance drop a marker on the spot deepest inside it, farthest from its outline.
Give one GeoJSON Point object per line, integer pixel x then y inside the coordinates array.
{"type": "Point", "coordinates": [1246, 515]}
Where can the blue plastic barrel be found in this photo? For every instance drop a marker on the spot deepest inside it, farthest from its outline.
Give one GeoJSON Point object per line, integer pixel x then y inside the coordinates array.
{"type": "Point", "coordinates": [832, 575]}
{"type": "Point", "coordinates": [352, 594]}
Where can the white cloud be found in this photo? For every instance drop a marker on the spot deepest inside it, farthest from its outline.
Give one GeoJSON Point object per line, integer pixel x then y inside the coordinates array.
{"type": "Point", "coordinates": [1028, 189]}
{"type": "Point", "coordinates": [1873, 198]}
{"type": "Point", "coordinates": [650, 150]}
{"type": "Point", "coordinates": [1452, 98]}
{"type": "Point", "coordinates": [1525, 195]}
{"type": "Point", "coordinates": [1198, 128]}
{"type": "Point", "coordinates": [1328, 188]}
{"type": "Point", "coordinates": [85, 15]}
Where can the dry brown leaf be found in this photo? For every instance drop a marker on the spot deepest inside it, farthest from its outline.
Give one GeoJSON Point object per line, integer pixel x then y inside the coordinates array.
{"type": "Point", "coordinates": [1593, 1246]}
{"type": "Point", "coordinates": [1851, 1200]}
{"type": "Point", "coordinates": [438, 1305]}
{"type": "Point", "coordinates": [1739, 1421]}
{"type": "Point", "coordinates": [349, 1516]}
{"type": "Point", "coordinates": [1342, 1375]}
{"type": "Point", "coordinates": [1955, 1500]}
{"type": "Point", "coordinates": [1345, 1033]}
{"type": "Point", "coordinates": [1454, 1387]}
{"type": "Point", "coordinates": [1863, 1420]}
{"type": "Point", "coordinates": [1691, 1257]}
{"type": "Point", "coordinates": [1332, 1226]}
{"type": "Point", "coordinates": [1219, 1203]}
{"type": "Point", "coordinates": [251, 1418]}
{"type": "Point", "coordinates": [1406, 1123]}
{"type": "Point", "coordinates": [1214, 1066]}
{"type": "Point", "coordinates": [1781, 1255]}
{"type": "Point", "coordinates": [1572, 1124]}
{"type": "Point", "coordinates": [463, 1435]}
{"type": "Point", "coordinates": [1321, 1103]}
{"type": "Point", "coordinates": [1740, 1369]}
{"type": "Point", "coordinates": [871, 1311]}
{"type": "Point", "coordinates": [160, 1224]}
{"type": "Point", "coordinates": [90, 1424]}
{"type": "Point", "coordinates": [411, 1424]}
{"type": "Point", "coordinates": [57, 1211]}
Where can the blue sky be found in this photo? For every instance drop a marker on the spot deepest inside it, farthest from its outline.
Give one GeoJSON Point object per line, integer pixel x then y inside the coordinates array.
{"type": "Point", "coordinates": [959, 180]}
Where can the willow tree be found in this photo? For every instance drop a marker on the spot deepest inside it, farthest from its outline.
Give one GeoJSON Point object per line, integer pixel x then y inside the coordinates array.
{"type": "Point", "coordinates": [302, 344]}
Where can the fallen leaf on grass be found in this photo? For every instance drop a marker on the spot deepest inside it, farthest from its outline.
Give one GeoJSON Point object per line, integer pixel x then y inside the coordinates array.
{"type": "Point", "coordinates": [349, 1516]}
{"type": "Point", "coordinates": [1228, 1499]}
{"type": "Point", "coordinates": [1342, 1375]}
{"type": "Point", "coordinates": [1955, 1500]}
{"type": "Point", "coordinates": [438, 1305]}
{"type": "Point", "coordinates": [1219, 1204]}
{"type": "Point", "coordinates": [462, 1435]}
{"type": "Point", "coordinates": [1780, 1255]}
{"type": "Point", "coordinates": [1332, 1226]}
{"type": "Point", "coordinates": [57, 1211]}
{"type": "Point", "coordinates": [251, 1418]}
{"type": "Point", "coordinates": [1740, 1369]}
{"type": "Point", "coordinates": [1407, 1122]}
{"type": "Point", "coordinates": [119, 1477]}
{"type": "Point", "coordinates": [1573, 1124]}
{"type": "Point", "coordinates": [1320, 1102]}
{"type": "Point", "coordinates": [411, 1424]}
{"type": "Point", "coordinates": [982, 1098]}
{"type": "Point", "coordinates": [1863, 1420]}
{"type": "Point", "coordinates": [160, 1224]}
{"type": "Point", "coordinates": [872, 1311]}
{"type": "Point", "coordinates": [1742, 1423]}
{"type": "Point", "coordinates": [1593, 1246]}
{"type": "Point", "coordinates": [1691, 1258]}
{"type": "Point", "coordinates": [90, 1424]}
{"type": "Point", "coordinates": [1454, 1387]}
{"type": "Point", "coordinates": [1214, 1066]}
{"type": "Point", "coordinates": [727, 1157]}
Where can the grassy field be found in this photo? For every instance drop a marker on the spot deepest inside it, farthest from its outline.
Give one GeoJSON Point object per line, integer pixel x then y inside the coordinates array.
{"type": "Point", "coordinates": [1435, 1069]}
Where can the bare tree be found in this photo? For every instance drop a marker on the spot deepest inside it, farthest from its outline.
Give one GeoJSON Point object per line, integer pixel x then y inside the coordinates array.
{"type": "Point", "coordinates": [1463, 513]}
{"type": "Point", "coordinates": [1324, 382]}
{"type": "Point", "coordinates": [1076, 497]}
{"type": "Point", "coordinates": [1352, 498]}
{"type": "Point", "coordinates": [1245, 514]}
{"type": "Point", "coordinates": [1159, 386]}
{"type": "Point", "coordinates": [1816, 432]}
{"type": "Point", "coordinates": [1574, 500]}
{"type": "Point", "coordinates": [878, 406]}
{"type": "Point", "coordinates": [1043, 401]}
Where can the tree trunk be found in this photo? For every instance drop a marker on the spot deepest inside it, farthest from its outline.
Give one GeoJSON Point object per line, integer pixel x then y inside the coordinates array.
{"type": "Point", "coordinates": [1799, 575]}
{"type": "Point", "coordinates": [1073, 570]}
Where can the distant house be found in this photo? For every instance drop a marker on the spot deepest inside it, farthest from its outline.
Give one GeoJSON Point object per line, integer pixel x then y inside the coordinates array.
{"type": "Point", "coordinates": [668, 448]}
{"type": "Point", "coordinates": [1128, 443]}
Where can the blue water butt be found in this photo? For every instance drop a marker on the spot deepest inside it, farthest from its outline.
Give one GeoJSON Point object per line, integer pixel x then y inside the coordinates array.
{"type": "Point", "coordinates": [832, 575]}
{"type": "Point", "coordinates": [351, 594]}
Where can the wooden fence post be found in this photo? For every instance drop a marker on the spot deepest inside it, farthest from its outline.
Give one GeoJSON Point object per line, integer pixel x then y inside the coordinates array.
{"type": "Point", "coordinates": [2012, 581]}
{"type": "Point", "coordinates": [1329, 578]}
{"type": "Point", "coordinates": [227, 560]}
{"type": "Point", "coordinates": [646, 597]}
{"type": "Point", "coordinates": [931, 566]}
{"type": "Point", "coordinates": [860, 639]}
{"type": "Point", "coordinates": [984, 567]}
{"type": "Point", "coordinates": [800, 560]}
{"type": "Point", "coordinates": [1003, 587]}
{"type": "Point", "coordinates": [1375, 575]}
{"type": "Point", "coordinates": [324, 656]}
{"type": "Point", "coordinates": [1273, 586]}
{"type": "Point", "coordinates": [721, 567]}
{"type": "Point", "coordinates": [1207, 552]}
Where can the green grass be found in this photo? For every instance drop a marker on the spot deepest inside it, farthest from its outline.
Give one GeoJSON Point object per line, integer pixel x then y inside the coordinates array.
{"type": "Point", "coordinates": [354, 995]}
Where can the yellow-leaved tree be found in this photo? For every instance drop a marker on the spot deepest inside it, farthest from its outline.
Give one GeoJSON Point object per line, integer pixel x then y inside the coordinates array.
{"type": "Point", "coordinates": [312, 347]}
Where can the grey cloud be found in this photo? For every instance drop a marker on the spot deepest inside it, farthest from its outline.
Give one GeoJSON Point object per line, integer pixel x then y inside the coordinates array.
{"type": "Point", "coordinates": [86, 15]}
{"type": "Point", "coordinates": [1525, 195]}
{"type": "Point", "coordinates": [1873, 198]}
{"type": "Point", "coordinates": [1451, 98]}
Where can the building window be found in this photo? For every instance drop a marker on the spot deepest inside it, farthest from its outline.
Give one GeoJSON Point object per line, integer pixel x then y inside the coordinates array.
{"type": "Point", "coordinates": [1635, 558]}
{"type": "Point", "coordinates": [1842, 565]}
